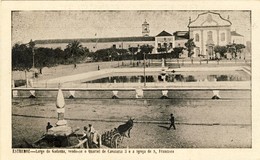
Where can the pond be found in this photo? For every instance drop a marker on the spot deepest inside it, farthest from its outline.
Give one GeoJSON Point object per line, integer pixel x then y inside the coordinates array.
{"type": "Point", "coordinates": [173, 77]}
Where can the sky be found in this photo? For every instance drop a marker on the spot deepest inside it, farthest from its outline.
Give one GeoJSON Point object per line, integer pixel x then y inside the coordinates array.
{"type": "Point", "coordinates": [37, 25]}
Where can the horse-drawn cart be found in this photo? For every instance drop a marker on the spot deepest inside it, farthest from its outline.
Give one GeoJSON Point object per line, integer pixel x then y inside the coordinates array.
{"type": "Point", "coordinates": [65, 137]}
{"type": "Point", "coordinates": [115, 137]}
{"type": "Point", "coordinates": [112, 138]}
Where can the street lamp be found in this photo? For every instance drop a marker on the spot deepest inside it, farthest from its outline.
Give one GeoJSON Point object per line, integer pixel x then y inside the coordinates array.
{"type": "Point", "coordinates": [144, 71]}
{"type": "Point", "coordinates": [32, 45]}
{"type": "Point", "coordinates": [33, 56]}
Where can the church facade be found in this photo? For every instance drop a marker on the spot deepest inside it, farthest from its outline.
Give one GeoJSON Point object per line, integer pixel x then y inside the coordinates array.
{"type": "Point", "coordinates": [208, 30]}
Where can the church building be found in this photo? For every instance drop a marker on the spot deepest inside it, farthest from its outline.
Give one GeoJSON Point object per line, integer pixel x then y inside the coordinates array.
{"type": "Point", "coordinates": [210, 29]}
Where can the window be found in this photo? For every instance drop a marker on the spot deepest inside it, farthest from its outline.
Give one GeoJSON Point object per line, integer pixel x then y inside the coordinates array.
{"type": "Point", "coordinates": [222, 37]}
{"type": "Point", "coordinates": [159, 45]}
{"type": "Point", "coordinates": [210, 35]}
{"type": "Point", "coordinates": [165, 45]}
{"type": "Point", "coordinates": [171, 45]}
{"type": "Point", "coordinates": [114, 46]}
{"type": "Point", "coordinates": [197, 38]}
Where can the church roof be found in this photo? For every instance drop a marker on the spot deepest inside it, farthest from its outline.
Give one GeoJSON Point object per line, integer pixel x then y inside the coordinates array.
{"type": "Point", "coordinates": [181, 35]}
{"type": "Point", "coordinates": [234, 33]}
{"type": "Point", "coordinates": [209, 19]}
{"type": "Point", "coordinates": [163, 34]}
{"type": "Point", "coordinates": [96, 40]}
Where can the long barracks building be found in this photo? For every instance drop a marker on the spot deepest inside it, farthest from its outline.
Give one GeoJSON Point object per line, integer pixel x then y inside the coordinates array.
{"type": "Point", "coordinates": [208, 30]}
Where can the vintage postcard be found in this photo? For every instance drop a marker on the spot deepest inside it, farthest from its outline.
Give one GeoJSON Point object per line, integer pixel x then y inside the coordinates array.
{"type": "Point", "coordinates": [113, 80]}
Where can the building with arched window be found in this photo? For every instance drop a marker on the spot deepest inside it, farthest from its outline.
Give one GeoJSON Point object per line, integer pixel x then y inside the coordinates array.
{"type": "Point", "coordinates": [209, 29]}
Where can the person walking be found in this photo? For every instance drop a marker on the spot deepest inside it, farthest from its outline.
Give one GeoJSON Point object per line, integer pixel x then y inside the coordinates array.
{"type": "Point", "coordinates": [172, 122]}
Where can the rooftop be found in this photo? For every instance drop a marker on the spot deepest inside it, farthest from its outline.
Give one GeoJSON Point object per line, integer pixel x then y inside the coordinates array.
{"type": "Point", "coordinates": [181, 35]}
{"type": "Point", "coordinates": [209, 19]}
{"type": "Point", "coordinates": [96, 40]}
{"type": "Point", "coordinates": [234, 33]}
{"type": "Point", "coordinates": [163, 33]}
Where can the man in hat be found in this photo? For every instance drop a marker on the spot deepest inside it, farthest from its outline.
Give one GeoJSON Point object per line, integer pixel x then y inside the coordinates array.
{"type": "Point", "coordinates": [93, 134]}
{"type": "Point", "coordinates": [172, 122]}
{"type": "Point", "coordinates": [49, 126]}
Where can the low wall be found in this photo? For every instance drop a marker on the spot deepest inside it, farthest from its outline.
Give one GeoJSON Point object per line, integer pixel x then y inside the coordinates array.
{"type": "Point", "coordinates": [131, 93]}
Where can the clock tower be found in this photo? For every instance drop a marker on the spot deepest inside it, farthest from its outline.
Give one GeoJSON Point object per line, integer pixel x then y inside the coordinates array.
{"type": "Point", "coordinates": [145, 29]}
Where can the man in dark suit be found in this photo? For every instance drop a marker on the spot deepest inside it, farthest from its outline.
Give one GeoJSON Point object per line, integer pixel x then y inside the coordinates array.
{"type": "Point", "coordinates": [172, 122]}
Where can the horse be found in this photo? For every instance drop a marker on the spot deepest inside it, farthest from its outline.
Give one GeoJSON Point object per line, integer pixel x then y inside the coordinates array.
{"type": "Point", "coordinates": [126, 128]}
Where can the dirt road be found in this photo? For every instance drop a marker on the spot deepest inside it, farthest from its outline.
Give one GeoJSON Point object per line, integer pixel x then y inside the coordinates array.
{"type": "Point", "coordinates": [200, 123]}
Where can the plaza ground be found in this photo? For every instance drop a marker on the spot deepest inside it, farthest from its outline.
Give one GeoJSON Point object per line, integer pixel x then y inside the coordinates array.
{"type": "Point", "coordinates": [201, 122]}
{"type": "Point", "coordinates": [61, 70]}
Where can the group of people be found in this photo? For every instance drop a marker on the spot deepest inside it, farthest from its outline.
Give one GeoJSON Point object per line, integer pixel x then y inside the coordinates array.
{"type": "Point", "coordinates": [93, 137]}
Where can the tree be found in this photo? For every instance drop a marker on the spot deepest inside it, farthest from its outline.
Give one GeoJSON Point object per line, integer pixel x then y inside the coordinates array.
{"type": "Point", "coordinates": [21, 57]}
{"type": "Point", "coordinates": [45, 57]}
{"type": "Point", "coordinates": [221, 50]}
{"type": "Point", "coordinates": [176, 52]}
{"type": "Point", "coordinates": [110, 54]}
{"type": "Point", "coordinates": [122, 53]}
{"type": "Point", "coordinates": [239, 47]}
{"type": "Point", "coordinates": [232, 49]}
{"type": "Point", "coordinates": [190, 45]}
{"type": "Point", "coordinates": [133, 50]}
{"type": "Point", "coordinates": [144, 49]}
{"type": "Point", "coordinates": [161, 50]}
{"type": "Point", "coordinates": [75, 51]}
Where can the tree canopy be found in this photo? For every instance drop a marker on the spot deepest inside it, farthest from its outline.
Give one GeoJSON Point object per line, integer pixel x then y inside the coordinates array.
{"type": "Point", "coordinates": [110, 54]}
{"type": "Point", "coordinates": [22, 55]}
{"type": "Point", "coordinates": [75, 52]}
{"type": "Point", "coordinates": [190, 46]}
{"type": "Point", "coordinates": [221, 50]}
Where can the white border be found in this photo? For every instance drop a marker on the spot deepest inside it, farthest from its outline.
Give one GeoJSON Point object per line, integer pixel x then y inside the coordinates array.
{"type": "Point", "coordinates": [213, 154]}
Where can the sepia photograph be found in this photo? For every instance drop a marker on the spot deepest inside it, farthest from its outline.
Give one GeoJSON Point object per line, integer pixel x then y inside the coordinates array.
{"type": "Point", "coordinates": [131, 79]}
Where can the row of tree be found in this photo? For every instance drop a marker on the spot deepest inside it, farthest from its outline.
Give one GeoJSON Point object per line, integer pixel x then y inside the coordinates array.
{"type": "Point", "coordinates": [233, 48]}
{"type": "Point", "coordinates": [25, 56]}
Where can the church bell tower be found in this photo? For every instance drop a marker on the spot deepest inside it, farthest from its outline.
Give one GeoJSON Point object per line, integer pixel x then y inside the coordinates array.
{"type": "Point", "coordinates": [145, 29]}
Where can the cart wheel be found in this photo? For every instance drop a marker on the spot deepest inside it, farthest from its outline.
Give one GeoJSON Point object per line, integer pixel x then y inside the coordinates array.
{"type": "Point", "coordinates": [116, 140]}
